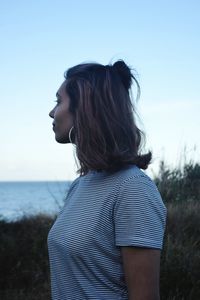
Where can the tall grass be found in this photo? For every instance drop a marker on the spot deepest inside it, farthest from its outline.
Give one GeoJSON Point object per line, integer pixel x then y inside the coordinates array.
{"type": "Point", "coordinates": [180, 262]}
{"type": "Point", "coordinates": [179, 184]}
{"type": "Point", "coordinates": [24, 262]}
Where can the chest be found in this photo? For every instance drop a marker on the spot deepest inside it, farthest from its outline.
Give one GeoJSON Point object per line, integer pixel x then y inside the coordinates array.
{"type": "Point", "coordinates": [85, 223]}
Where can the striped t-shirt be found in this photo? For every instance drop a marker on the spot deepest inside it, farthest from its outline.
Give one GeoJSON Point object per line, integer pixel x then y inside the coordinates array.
{"type": "Point", "coordinates": [102, 212]}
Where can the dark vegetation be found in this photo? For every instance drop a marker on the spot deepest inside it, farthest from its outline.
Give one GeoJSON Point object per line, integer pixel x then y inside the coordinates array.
{"type": "Point", "coordinates": [23, 244]}
{"type": "Point", "coordinates": [180, 263]}
{"type": "Point", "coordinates": [24, 259]}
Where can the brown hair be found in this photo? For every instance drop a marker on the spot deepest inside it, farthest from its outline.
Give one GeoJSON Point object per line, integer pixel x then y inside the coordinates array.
{"type": "Point", "coordinates": [105, 131]}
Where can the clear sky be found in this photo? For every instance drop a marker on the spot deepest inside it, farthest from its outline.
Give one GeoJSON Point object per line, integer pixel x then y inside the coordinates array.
{"type": "Point", "coordinates": [41, 39]}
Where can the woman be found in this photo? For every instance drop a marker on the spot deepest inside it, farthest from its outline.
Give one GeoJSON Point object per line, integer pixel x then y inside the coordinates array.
{"type": "Point", "coordinates": [106, 241]}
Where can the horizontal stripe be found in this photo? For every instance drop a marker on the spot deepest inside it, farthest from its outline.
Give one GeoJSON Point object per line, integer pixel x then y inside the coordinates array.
{"type": "Point", "coordinates": [103, 212]}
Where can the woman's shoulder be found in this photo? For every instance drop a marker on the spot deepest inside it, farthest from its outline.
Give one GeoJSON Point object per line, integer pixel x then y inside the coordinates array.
{"type": "Point", "coordinates": [106, 181]}
{"type": "Point", "coordinates": [136, 184]}
{"type": "Point", "coordinates": [131, 173]}
{"type": "Point", "coordinates": [133, 180]}
{"type": "Point", "coordinates": [117, 178]}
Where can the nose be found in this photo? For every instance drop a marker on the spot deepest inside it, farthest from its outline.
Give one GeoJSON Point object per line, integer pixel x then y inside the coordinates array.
{"type": "Point", "coordinates": [51, 114]}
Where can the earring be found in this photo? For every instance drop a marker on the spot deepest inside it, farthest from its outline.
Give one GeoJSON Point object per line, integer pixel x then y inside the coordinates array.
{"type": "Point", "coordinates": [70, 139]}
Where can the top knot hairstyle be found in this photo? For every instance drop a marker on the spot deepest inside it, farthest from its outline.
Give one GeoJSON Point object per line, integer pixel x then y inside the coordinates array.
{"type": "Point", "coordinates": [105, 131]}
{"type": "Point", "coordinates": [125, 74]}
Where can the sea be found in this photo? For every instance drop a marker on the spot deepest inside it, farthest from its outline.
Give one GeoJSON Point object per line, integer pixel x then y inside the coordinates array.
{"type": "Point", "coordinates": [19, 199]}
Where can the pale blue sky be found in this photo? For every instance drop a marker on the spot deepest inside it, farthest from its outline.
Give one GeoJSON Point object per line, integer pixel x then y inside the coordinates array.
{"type": "Point", "coordinates": [41, 39]}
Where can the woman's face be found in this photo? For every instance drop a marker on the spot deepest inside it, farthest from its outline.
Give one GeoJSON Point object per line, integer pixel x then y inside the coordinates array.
{"type": "Point", "coordinates": [62, 118]}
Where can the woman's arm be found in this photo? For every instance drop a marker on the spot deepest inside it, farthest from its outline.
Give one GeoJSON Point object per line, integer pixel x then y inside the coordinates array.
{"type": "Point", "coordinates": [142, 272]}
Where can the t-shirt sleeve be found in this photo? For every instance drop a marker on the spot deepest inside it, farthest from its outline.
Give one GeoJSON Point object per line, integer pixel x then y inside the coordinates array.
{"type": "Point", "coordinates": [139, 214]}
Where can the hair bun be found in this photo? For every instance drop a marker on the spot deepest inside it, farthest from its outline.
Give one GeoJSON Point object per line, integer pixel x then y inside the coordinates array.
{"type": "Point", "coordinates": [124, 72]}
